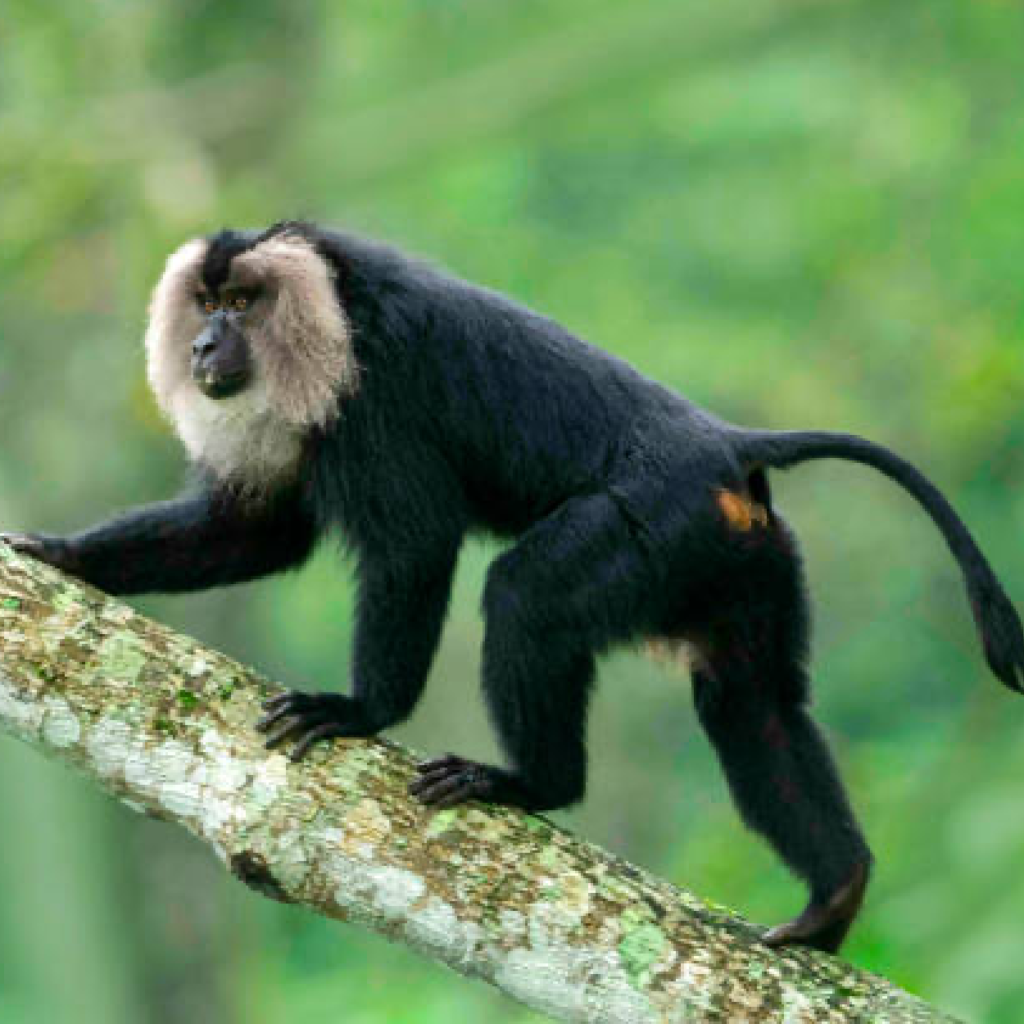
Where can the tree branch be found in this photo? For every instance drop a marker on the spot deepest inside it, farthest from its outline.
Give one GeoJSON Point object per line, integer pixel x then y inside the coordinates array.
{"type": "Point", "coordinates": [167, 725]}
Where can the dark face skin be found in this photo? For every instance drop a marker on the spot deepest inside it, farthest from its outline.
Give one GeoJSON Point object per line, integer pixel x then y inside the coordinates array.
{"type": "Point", "coordinates": [221, 363]}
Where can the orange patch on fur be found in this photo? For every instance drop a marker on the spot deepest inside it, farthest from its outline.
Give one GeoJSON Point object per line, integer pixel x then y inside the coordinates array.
{"type": "Point", "coordinates": [740, 512]}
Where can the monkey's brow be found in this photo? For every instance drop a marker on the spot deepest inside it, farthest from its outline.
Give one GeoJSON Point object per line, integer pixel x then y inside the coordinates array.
{"type": "Point", "coordinates": [245, 287]}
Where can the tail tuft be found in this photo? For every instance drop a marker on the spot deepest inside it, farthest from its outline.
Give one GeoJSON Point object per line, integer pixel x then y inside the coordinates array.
{"type": "Point", "coordinates": [1001, 632]}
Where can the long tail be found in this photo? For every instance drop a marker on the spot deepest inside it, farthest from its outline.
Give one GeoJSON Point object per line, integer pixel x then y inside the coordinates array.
{"type": "Point", "coordinates": [998, 623]}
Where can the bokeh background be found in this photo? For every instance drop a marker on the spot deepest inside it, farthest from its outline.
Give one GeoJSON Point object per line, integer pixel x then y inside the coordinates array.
{"type": "Point", "coordinates": [799, 214]}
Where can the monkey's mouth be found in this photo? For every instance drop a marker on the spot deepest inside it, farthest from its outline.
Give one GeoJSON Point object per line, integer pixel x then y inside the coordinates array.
{"type": "Point", "coordinates": [217, 386]}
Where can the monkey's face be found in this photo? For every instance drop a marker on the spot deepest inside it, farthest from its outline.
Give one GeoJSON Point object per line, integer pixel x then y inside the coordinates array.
{"type": "Point", "coordinates": [248, 349]}
{"type": "Point", "coordinates": [221, 359]}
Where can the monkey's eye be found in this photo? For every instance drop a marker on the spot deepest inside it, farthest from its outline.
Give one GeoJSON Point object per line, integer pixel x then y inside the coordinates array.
{"type": "Point", "coordinates": [207, 303]}
{"type": "Point", "coordinates": [240, 302]}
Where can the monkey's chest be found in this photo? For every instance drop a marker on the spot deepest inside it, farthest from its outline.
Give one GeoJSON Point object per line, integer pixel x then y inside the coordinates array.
{"type": "Point", "coordinates": [240, 441]}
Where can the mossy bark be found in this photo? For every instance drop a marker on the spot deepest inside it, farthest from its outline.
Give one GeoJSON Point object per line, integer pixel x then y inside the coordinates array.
{"type": "Point", "coordinates": [167, 725]}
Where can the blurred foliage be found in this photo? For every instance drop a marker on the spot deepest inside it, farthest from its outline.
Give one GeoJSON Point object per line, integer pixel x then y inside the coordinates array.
{"type": "Point", "coordinates": [800, 214]}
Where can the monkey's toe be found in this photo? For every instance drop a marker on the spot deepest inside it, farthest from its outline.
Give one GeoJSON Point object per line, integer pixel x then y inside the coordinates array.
{"type": "Point", "coordinates": [450, 780]}
{"type": "Point", "coordinates": [308, 718]}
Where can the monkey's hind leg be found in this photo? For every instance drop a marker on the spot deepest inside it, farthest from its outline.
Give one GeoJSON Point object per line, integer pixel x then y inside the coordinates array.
{"type": "Point", "coordinates": [751, 693]}
{"type": "Point", "coordinates": [567, 589]}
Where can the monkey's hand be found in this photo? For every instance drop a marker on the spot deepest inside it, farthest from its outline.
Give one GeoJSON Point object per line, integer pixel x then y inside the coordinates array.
{"type": "Point", "coordinates": [54, 551]}
{"type": "Point", "coordinates": [311, 717]}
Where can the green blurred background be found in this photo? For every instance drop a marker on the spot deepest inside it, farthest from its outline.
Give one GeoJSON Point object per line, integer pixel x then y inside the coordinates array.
{"type": "Point", "coordinates": [799, 214]}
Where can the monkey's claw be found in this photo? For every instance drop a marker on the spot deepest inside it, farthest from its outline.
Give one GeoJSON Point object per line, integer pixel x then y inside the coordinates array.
{"type": "Point", "coordinates": [309, 718]}
{"type": "Point", "coordinates": [25, 543]}
{"type": "Point", "coordinates": [450, 780]}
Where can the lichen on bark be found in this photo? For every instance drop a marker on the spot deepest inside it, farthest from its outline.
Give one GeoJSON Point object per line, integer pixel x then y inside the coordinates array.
{"type": "Point", "coordinates": [166, 725]}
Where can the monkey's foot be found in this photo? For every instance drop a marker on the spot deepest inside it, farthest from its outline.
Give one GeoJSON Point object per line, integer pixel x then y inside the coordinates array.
{"type": "Point", "coordinates": [450, 780]}
{"type": "Point", "coordinates": [823, 925]}
{"type": "Point", "coordinates": [309, 718]}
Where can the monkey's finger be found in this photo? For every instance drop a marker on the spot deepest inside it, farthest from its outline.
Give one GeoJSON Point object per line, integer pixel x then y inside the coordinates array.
{"type": "Point", "coordinates": [275, 716]}
{"type": "Point", "coordinates": [439, 791]}
{"type": "Point", "coordinates": [23, 542]}
{"type": "Point", "coordinates": [438, 763]}
{"type": "Point", "coordinates": [443, 765]}
{"type": "Point", "coordinates": [285, 729]}
{"type": "Point", "coordinates": [425, 782]}
{"type": "Point", "coordinates": [291, 703]}
{"type": "Point", "coordinates": [290, 698]}
{"type": "Point", "coordinates": [428, 779]}
{"type": "Point", "coordinates": [276, 701]}
{"type": "Point", "coordinates": [321, 732]}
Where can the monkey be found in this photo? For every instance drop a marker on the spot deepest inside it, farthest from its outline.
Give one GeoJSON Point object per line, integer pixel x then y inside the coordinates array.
{"type": "Point", "coordinates": [327, 384]}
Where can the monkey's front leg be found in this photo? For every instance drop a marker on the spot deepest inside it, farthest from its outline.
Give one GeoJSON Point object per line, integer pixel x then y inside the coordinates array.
{"type": "Point", "coordinates": [401, 611]}
{"type": "Point", "coordinates": [190, 543]}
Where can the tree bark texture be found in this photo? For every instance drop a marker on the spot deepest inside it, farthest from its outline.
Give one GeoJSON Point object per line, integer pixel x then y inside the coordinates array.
{"type": "Point", "coordinates": [166, 725]}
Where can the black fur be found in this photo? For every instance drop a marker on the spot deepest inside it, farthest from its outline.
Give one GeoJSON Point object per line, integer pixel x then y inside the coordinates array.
{"type": "Point", "coordinates": [224, 247]}
{"type": "Point", "coordinates": [477, 414]}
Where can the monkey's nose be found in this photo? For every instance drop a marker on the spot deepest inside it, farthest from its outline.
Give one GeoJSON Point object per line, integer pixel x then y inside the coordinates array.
{"type": "Point", "coordinates": [205, 345]}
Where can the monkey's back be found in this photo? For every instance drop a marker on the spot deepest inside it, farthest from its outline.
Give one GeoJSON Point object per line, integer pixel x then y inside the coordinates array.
{"type": "Point", "coordinates": [480, 392]}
